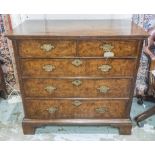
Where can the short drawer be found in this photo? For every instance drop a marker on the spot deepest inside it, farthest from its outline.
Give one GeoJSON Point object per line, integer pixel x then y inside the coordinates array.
{"type": "Point", "coordinates": [105, 48]}
{"type": "Point", "coordinates": [46, 48]}
{"type": "Point", "coordinates": [77, 67]}
{"type": "Point", "coordinates": [57, 109]}
{"type": "Point", "coordinates": [77, 87]}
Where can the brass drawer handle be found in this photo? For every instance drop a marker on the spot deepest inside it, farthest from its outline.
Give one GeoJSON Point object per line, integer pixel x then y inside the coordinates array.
{"type": "Point", "coordinates": [101, 110]}
{"type": "Point", "coordinates": [47, 47]}
{"type": "Point", "coordinates": [50, 89]}
{"type": "Point", "coordinates": [107, 49]}
{"type": "Point", "coordinates": [52, 110]}
{"type": "Point", "coordinates": [77, 103]}
{"type": "Point", "coordinates": [77, 82]}
{"type": "Point", "coordinates": [77, 62]}
{"type": "Point", "coordinates": [49, 68]}
{"type": "Point", "coordinates": [105, 68]}
{"type": "Point", "coordinates": [103, 89]}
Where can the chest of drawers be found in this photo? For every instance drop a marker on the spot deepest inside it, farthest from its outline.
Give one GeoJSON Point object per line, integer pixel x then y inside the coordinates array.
{"type": "Point", "coordinates": [77, 72]}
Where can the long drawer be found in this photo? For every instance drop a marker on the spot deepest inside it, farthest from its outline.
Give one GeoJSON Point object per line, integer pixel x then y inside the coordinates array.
{"type": "Point", "coordinates": [77, 87]}
{"type": "Point", "coordinates": [77, 67]}
{"type": "Point", "coordinates": [46, 48]}
{"type": "Point", "coordinates": [105, 48]}
{"type": "Point", "coordinates": [51, 109]}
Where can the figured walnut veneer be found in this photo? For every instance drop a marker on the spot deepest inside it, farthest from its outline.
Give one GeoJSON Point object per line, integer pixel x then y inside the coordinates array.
{"type": "Point", "coordinates": [87, 88]}
{"type": "Point", "coordinates": [37, 109]}
{"type": "Point", "coordinates": [32, 48]}
{"type": "Point", "coordinates": [89, 67]}
{"type": "Point", "coordinates": [120, 48]}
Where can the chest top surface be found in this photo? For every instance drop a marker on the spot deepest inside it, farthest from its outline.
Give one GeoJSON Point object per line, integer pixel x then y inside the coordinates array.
{"type": "Point", "coordinates": [77, 28]}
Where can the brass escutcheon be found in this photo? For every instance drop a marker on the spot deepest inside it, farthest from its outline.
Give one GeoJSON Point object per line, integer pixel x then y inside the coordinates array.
{"type": "Point", "coordinates": [77, 62]}
{"type": "Point", "coordinates": [47, 47]}
{"type": "Point", "coordinates": [103, 89]}
{"type": "Point", "coordinates": [77, 103]}
{"type": "Point", "coordinates": [49, 68]}
{"type": "Point", "coordinates": [105, 68]}
{"type": "Point", "coordinates": [77, 82]}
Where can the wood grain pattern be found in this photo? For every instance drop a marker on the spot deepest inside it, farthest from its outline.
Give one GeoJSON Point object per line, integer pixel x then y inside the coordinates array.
{"type": "Point", "coordinates": [89, 67]}
{"type": "Point", "coordinates": [37, 109]}
{"type": "Point", "coordinates": [32, 48]}
{"type": "Point", "coordinates": [88, 88]}
{"type": "Point", "coordinates": [121, 48]}
{"type": "Point", "coordinates": [75, 28]}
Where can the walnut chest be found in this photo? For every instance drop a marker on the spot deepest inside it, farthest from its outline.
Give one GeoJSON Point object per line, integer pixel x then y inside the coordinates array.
{"type": "Point", "coordinates": [77, 72]}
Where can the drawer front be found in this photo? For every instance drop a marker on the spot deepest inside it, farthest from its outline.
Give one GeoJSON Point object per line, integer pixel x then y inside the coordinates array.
{"type": "Point", "coordinates": [77, 87]}
{"type": "Point", "coordinates": [108, 48]}
{"type": "Point", "coordinates": [49, 109]}
{"type": "Point", "coordinates": [46, 48]}
{"type": "Point", "coordinates": [78, 67]}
